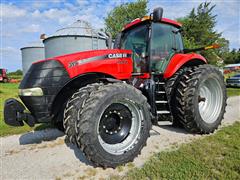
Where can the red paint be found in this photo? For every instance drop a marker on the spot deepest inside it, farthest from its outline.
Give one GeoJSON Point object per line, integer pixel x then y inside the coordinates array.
{"type": "Point", "coordinates": [171, 22]}
{"type": "Point", "coordinates": [163, 20]}
{"type": "Point", "coordinates": [134, 22]}
{"type": "Point", "coordinates": [178, 60]}
{"type": "Point", "coordinates": [144, 76]}
{"type": "Point", "coordinates": [3, 74]}
{"type": "Point", "coordinates": [113, 67]}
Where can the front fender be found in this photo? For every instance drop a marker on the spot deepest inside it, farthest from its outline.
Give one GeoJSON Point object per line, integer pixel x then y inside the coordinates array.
{"type": "Point", "coordinates": [180, 60]}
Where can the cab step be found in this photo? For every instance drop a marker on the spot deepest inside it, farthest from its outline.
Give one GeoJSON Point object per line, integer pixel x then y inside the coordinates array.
{"type": "Point", "coordinates": [160, 92]}
{"type": "Point", "coordinates": [161, 102]}
{"type": "Point", "coordinates": [163, 112]}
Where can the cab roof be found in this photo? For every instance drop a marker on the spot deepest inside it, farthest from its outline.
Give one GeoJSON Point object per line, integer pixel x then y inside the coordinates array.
{"type": "Point", "coordinates": [147, 18]}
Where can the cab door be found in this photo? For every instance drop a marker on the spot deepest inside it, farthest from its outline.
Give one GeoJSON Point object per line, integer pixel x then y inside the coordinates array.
{"type": "Point", "coordinates": [162, 46]}
{"type": "Point", "coordinates": [136, 40]}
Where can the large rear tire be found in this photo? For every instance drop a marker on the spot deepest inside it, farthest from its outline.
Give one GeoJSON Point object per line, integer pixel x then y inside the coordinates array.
{"type": "Point", "coordinates": [114, 125]}
{"type": "Point", "coordinates": [73, 109]}
{"type": "Point", "coordinates": [201, 99]}
{"type": "Point", "coordinates": [171, 89]}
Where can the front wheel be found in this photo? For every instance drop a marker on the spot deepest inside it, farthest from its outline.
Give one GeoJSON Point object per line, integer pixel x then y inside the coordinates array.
{"type": "Point", "coordinates": [201, 99]}
{"type": "Point", "coordinates": [114, 125]}
{"type": "Point", "coordinates": [73, 108]}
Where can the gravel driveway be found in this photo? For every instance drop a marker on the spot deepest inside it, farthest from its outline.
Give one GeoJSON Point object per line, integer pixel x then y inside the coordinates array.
{"type": "Point", "coordinates": [45, 155]}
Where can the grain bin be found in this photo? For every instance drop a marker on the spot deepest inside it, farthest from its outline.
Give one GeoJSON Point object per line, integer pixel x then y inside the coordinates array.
{"type": "Point", "coordinates": [79, 36]}
{"type": "Point", "coordinates": [32, 52]}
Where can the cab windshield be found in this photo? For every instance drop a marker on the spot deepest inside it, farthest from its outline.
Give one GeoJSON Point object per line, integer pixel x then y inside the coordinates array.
{"type": "Point", "coordinates": [136, 40]}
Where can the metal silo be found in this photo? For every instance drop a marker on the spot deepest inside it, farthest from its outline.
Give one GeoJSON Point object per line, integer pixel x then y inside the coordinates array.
{"type": "Point", "coordinates": [79, 36]}
{"type": "Point", "coordinates": [31, 53]}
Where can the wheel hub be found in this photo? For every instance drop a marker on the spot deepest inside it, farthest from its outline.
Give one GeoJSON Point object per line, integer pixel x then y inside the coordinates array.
{"type": "Point", "coordinates": [111, 124]}
{"type": "Point", "coordinates": [115, 123]}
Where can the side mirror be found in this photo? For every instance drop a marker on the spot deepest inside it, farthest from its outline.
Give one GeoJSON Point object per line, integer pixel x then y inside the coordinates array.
{"type": "Point", "coordinates": [109, 40]}
{"type": "Point", "coordinates": [117, 42]}
{"type": "Point", "coordinates": [157, 14]}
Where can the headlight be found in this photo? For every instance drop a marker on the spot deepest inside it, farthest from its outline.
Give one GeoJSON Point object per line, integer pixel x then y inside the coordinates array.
{"type": "Point", "coordinates": [31, 92]}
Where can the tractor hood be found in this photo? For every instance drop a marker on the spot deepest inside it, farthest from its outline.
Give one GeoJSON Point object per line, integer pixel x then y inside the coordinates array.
{"type": "Point", "coordinates": [114, 62]}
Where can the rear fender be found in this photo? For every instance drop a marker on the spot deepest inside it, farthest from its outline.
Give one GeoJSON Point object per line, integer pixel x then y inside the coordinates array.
{"type": "Point", "coordinates": [180, 60]}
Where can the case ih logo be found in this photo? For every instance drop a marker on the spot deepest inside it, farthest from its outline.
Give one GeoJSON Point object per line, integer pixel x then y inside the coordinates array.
{"type": "Point", "coordinates": [108, 56]}
{"type": "Point", "coordinates": [111, 56]}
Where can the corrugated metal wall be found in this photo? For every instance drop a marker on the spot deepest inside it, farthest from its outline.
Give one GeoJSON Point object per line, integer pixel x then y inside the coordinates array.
{"type": "Point", "coordinates": [79, 36]}
{"type": "Point", "coordinates": [30, 54]}
{"type": "Point", "coordinates": [56, 46]}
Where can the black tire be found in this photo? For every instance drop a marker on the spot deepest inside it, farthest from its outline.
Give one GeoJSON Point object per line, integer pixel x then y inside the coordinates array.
{"type": "Point", "coordinates": [171, 89]}
{"type": "Point", "coordinates": [89, 129]}
{"type": "Point", "coordinates": [73, 107]}
{"type": "Point", "coordinates": [57, 121]}
{"type": "Point", "coordinates": [198, 80]}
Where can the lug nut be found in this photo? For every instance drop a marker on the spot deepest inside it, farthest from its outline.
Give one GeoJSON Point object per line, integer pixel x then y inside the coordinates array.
{"type": "Point", "coordinates": [121, 117]}
{"type": "Point", "coordinates": [106, 115]}
{"type": "Point", "coordinates": [104, 127]}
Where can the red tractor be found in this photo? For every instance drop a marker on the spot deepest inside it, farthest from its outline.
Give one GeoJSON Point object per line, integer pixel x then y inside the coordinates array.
{"type": "Point", "coordinates": [108, 99]}
{"type": "Point", "coordinates": [3, 76]}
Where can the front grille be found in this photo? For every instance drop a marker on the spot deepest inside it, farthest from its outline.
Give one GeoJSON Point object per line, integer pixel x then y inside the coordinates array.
{"type": "Point", "coordinates": [49, 75]}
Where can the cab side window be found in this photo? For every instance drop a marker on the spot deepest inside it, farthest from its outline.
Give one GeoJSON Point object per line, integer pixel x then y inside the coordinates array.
{"type": "Point", "coordinates": [178, 40]}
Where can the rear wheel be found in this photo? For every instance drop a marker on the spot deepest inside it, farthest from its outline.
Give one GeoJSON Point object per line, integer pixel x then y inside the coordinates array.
{"type": "Point", "coordinates": [201, 99]}
{"type": "Point", "coordinates": [114, 125]}
{"type": "Point", "coordinates": [171, 89]}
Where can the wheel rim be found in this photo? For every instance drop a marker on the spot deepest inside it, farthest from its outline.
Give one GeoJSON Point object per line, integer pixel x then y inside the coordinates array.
{"type": "Point", "coordinates": [119, 126]}
{"type": "Point", "coordinates": [210, 100]}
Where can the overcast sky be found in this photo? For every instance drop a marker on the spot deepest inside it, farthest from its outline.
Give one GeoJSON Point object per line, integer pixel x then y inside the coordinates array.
{"type": "Point", "coordinates": [22, 21]}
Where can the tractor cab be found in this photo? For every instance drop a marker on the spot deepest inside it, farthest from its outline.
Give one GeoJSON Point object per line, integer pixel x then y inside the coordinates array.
{"type": "Point", "coordinates": [153, 41]}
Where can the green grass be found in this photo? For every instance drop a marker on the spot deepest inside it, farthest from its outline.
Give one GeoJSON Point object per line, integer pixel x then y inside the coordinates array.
{"type": "Point", "coordinates": [212, 157]}
{"type": "Point", "coordinates": [18, 77]}
{"type": "Point", "coordinates": [233, 92]}
{"type": "Point", "coordinates": [10, 90]}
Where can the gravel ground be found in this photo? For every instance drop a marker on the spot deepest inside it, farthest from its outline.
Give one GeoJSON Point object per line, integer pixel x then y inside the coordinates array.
{"type": "Point", "coordinates": [45, 155]}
